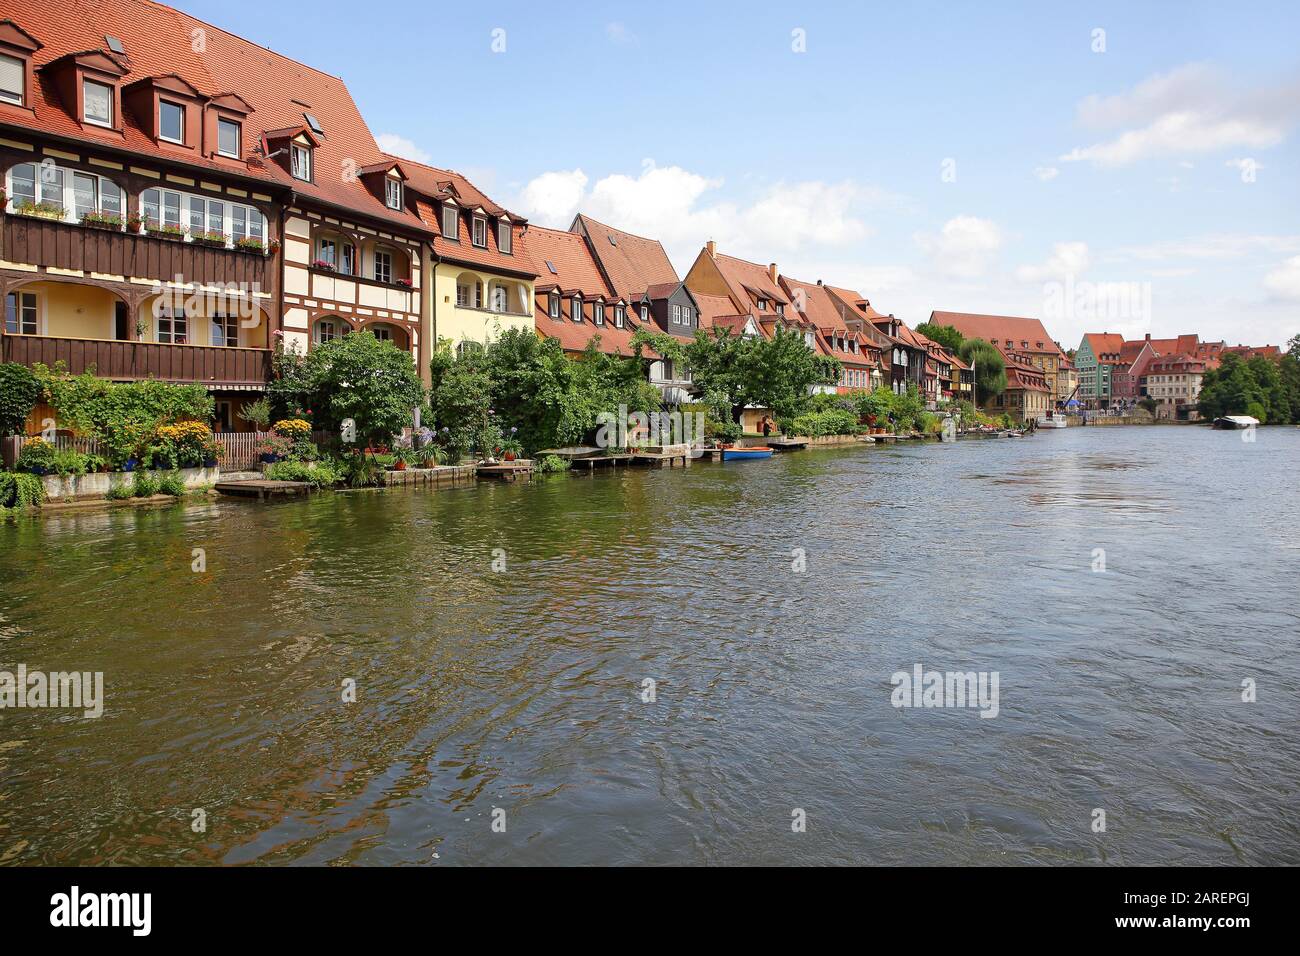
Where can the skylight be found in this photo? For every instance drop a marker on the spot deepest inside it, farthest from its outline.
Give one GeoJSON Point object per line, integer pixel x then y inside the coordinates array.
{"type": "Point", "coordinates": [551, 265]}
{"type": "Point", "coordinates": [313, 122]}
{"type": "Point", "coordinates": [114, 44]}
{"type": "Point", "coordinates": [612, 240]}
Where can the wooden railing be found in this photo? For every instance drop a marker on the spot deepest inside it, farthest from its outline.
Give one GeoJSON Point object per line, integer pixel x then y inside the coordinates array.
{"type": "Point", "coordinates": [63, 245]}
{"type": "Point", "coordinates": [128, 360]}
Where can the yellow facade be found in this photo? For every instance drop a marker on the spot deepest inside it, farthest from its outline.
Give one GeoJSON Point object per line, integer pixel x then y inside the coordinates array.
{"type": "Point", "coordinates": [477, 305]}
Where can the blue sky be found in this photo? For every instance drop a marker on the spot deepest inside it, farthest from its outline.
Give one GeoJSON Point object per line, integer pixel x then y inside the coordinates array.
{"type": "Point", "coordinates": [967, 157]}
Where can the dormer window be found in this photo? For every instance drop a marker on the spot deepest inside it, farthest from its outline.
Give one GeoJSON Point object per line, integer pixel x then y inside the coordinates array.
{"type": "Point", "coordinates": [762, 305]}
{"type": "Point", "coordinates": [393, 193]}
{"type": "Point", "coordinates": [480, 232]}
{"type": "Point", "coordinates": [598, 313]}
{"type": "Point", "coordinates": [171, 122]}
{"type": "Point", "coordinates": [780, 308]}
{"type": "Point", "coordinates": [503, 236]}
{"type": "Point", "coordinates": [229, 136]}
{"type": "Point", "coordinates": [13, 80]}
{"type": "Point", "coordinates": [300, 162]}
{"type": "Point", "coordinates": [97, 105]}
{"type": "Point", "coordinates": [620, 316]}
{"type": "Point", "coordinates": [450, 223]}
{"type": "Point", "coordinates": [553, 305]}
{"type": "Point", "coordinates": [645, 312]}
{"type": "Point", "coordinates": [576, 311]}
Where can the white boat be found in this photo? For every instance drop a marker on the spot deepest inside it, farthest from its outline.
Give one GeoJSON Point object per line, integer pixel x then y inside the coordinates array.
{"type": "Point", "coordinates": [1235, 421]}
{"type": "Point", "coordinates": [1052, 420]}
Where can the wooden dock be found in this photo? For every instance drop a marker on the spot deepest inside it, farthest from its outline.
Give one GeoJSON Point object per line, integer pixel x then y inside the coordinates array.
{"type": "Point", "coordinates": [787, 444]}
{"type": "Point", "coordinates": [439, 477]}
{"type": "Point", "coordinates": [263, 489]}
{"type": "Point", "coordinates": [507, 470]}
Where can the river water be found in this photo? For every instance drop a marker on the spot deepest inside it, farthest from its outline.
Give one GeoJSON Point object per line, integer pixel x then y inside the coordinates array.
{"type": "Point", "coordinates": [515, 694]}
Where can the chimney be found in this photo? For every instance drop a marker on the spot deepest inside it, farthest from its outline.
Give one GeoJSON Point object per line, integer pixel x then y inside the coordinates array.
{"type": "Point", "coordinates": [712, 247]}
{"type": "Point", "coordinates": [772, 272]}
{"type": "Point", "coordinates": [1148, 336]}
{"type": "Point", "coordinates": [819, 281]}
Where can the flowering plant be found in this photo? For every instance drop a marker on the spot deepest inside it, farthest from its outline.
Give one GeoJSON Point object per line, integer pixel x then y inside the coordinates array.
{"type": "Point", "coordinates": [292, 428]}
{"type": "Point", "coordinates": [324, 265]}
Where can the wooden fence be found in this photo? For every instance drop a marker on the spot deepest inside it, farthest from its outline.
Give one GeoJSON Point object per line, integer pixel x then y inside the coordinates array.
{"type": "Point", "coordinates": [240, 454]}
{"type": "Point", "coordinates": [12, 447]}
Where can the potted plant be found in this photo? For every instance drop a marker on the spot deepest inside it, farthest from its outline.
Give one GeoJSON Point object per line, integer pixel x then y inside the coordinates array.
{"type": "Point", "coordinates": [257, 414]}
{"type": "Point", "coordinates": [274, 246]}
{"type": "Point", "coordinates": [511, 448]}
{"type": "Point", "coordinates": [37, 457]}
{"type": "Point", "coordinates": [134, 223]}
{"type": "Point", "coordinates": [323, 265]}
{"type": "Point", "coordinates": [251, 245]}
{"type": "Point", "coordinates": [40, 210]}
{"type": "Point", "coordinates": [213, 240]}
{"type": "Point", "coordinates": [273, 449]}
{"type": "Point", "coordinates": [402, 283]}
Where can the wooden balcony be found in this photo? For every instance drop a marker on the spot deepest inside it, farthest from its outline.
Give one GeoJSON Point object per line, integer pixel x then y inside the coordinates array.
{"type": "Point", "coordinates": [61, 245]}
{"type": "Point", "coordinates": [211, 365]}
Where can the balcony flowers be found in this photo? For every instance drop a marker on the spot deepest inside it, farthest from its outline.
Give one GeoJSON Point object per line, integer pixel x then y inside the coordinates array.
{"type": "Point", "coordinates": [164, 230]}
{"type": "Point", "coordinates": [324, 265]}
{"type": "Point", "coordinates": [213, 240]}
{"type": "Point", "coordinates": [274, 246]}
{"type": "Point", "coordinates": [251, 245]}
{"type": "Point", "coordinates": [134, 223]}
{"type": "Point", "coordinates": [402, 283]}
{"type": "Point", "coordinates": [39, 210]}
{"type": "Point", "coordinates": [102, 220]}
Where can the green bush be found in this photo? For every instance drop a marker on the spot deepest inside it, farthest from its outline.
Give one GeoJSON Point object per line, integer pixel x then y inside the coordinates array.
{"type": "Point", "coordinates": [832, 421]}
{"type": "Point", "coordinates": [18, 490]}
{"type": "Point", "coordinates": [321, 474]}
{"type": "Point", "coordinates": [172, 484]}
{"type": "Point", "coordinates": [19, 390]}
{"type": "Point", "coordinates": [37, 456]}
{"type": "Point", "coordinates": [551, 464]}
{"type": "Point", "coordinates": [146, 485]}
{"type": "Point", "coordinates": [120, 491]}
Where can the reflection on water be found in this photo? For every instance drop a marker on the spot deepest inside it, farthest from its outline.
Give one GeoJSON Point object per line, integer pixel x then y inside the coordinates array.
{"type": "Point", "coordinates": [522, 690]}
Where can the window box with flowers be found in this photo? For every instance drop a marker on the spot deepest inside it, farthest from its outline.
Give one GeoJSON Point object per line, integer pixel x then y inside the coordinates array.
{"type": "Point", "coordinates": [163, 230]}
{"type": "Point", "coordinates": [134, 223]}
{"type": "Point", "coordinates": [251, 245]}
{"type": "Point", "coordinates": [39, 210]}
{"type": "Point", "coordinates": [273, 449]}
{"type": "Point", "coordinates": [102, 220]}
{"type": "Point", "coordinates": [212, 240]}
{"type": "Point", "coordinates": [323, 265]}
{"type": "Point", "coordinates": [402, 283]}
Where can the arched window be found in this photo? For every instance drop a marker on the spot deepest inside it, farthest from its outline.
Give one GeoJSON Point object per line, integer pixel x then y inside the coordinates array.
{"type": "Point", "coordinates": [67, 194]}
{"type": "Point", "coordinates": [329, 329]}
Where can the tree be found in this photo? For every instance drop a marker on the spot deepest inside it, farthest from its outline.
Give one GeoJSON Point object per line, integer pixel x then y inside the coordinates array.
{"type": "Point", "coordinates": [1230, 389]}
{"type": "Point", "coordinates": [460, 399]}
{"type": "Point", "coordinates": [19, 390]}
{"type": "Point", "coordinates": [714, 358]}
{"type": "Point", "coordinates": [945, 335]}
{"type": "Point", "coordinates": [990, 368]}
{"type": "Point", "coordinates": [778, 373]}
{"type": "Point", "coordinates": [529, 378]}
{"type": "Point", "coordinates": [361, 378]}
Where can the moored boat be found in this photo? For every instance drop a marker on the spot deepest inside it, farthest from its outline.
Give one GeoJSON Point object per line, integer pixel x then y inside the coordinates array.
{"type": "Point", "coordinates": [1235, 421]}
{"type": "Point", "coordinates": [1052, 420]}
{"type": "Point", "coordinates": [741, 454]}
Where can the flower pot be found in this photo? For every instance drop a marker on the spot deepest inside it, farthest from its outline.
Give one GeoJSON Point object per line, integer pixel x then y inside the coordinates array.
{"type": "Point", "coordinates": [209, 463]}
{"type": "Point", "coordinates": [268, 458]}
{"type": "Point", "coordinates": [38, 470]}
{"type": "Point", "coordinates": [399, 466]}
{"type": "Point", "coordinates": [509, 456]}
{"type": "Point", "coordinates": [129, 464]}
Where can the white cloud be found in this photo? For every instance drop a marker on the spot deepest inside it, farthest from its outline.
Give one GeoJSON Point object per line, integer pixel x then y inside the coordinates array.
{"type": "Point", "coordinates": [1284, 281]}
{"type": "Point", "coordinates": [554, 197]}
{"type": "Point", "coordinates": [399, 145]}
{"type": "Point", "coordinates": [964, 247]}
{"type": "Point", "coordinates": [673, 205]}
{"type": "Point", "coordinates": [1221, 246]}
{"type": "Point", "coordinates": [619, 33]}
{"type": "Point", "coordinates": [1188, 110]}
{"type": "Point", "coordinates": [1067, 258]}
{"type": "Point", "coordinates": [1047, 173]}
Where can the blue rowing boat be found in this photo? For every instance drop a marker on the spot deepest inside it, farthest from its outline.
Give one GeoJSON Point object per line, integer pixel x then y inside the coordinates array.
{"type": "Point", "coordinates": [740, 454]}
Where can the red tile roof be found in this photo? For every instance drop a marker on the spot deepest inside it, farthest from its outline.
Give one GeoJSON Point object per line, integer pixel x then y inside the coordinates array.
{"type": "Point", "coordinates": [748, 281]}
{"type": "Point", "coordinates": [158, 42]}
{"type": "Point", "coordinates": [631, 263]}
{"type": "Point", "coordinates": [575, 271]}
{"type": "Point", "coordinates": [1104, 343]}
{"type": "Point", "coordinates": [1001, 328]}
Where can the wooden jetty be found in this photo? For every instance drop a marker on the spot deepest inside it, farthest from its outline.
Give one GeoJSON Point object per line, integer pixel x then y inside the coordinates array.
{"type": "Point", "coordinates": [507, 470]}
{"type": "Point", "coordinates": [787, 444]}
{"type": "Point", "coordinates": [438, 477]}
{"type": "Point", "coordinates": [263, 489]}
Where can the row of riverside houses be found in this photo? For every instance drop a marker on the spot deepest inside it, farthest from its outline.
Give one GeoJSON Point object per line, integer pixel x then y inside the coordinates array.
{"type": "Point", "coordinates": [146, 153]}
{"type": "Point", "coordinates": [1118, 373]}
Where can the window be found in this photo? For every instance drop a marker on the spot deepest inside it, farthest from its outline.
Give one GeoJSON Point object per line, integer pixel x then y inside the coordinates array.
{"type": "Point", "coordinates": [598, 313]}
{"type": "Point", "coordinates": [166, 207]}
{"type": "Point", "coordinates": [383, 266]}
{"type": "Point", "coordinates": [553, 305]}
{"type": "Point", "coordinates": [85, 190]}
{"type": "Point", "coordinates": [383, 333]}
{"type": "Point", "coordinates": [20, 313]}
{"type": "Point", "coordinates": [393, 193]}
{"type": "Point", "coordinates": [300, 162]}
{"type": "Point", "coordinates": [645, 312]}
{"type": "Point", "coordinates": [171, 122]}
{"type": "Point", "coordinates": [503, 237]}
{"type": "Point", "coordinates": [450, 224]}
{"type": "Point", "coordinates": [619, 316]}
{"type": "Point", "coordinates": [225, 329]}
{"type": "Point", "coordinates": [677, 315]}
{"type": "Point", "coordinates": [327, 252]}
{"type": "Point", "coordinates": [576, 311]}
{"type": "Point", "coordinates": [327, 330]}
{"type": "Point", "coordinates": [348, 259]}
{"type": "Point", "coordinates": [13, 79]}
{"type": "Point", "coordinates": [172, 326]}
{"type": "Point", "coordinates": [98, 103]}
{"type": "Point", "coordinates": [762, 305]}
{"type": "Point", "coordinates": [780, 308]}
{"type": "Point", "coordinates": [499, 298]}
{"type": "Point", "coordinates": [480, 232]}
{"type": "Point", "coordinates": [229, 136]}
{"type": "Point", "coordinates": [469, 295]}
{"type": "Point", "coordinates": [75, 192]}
